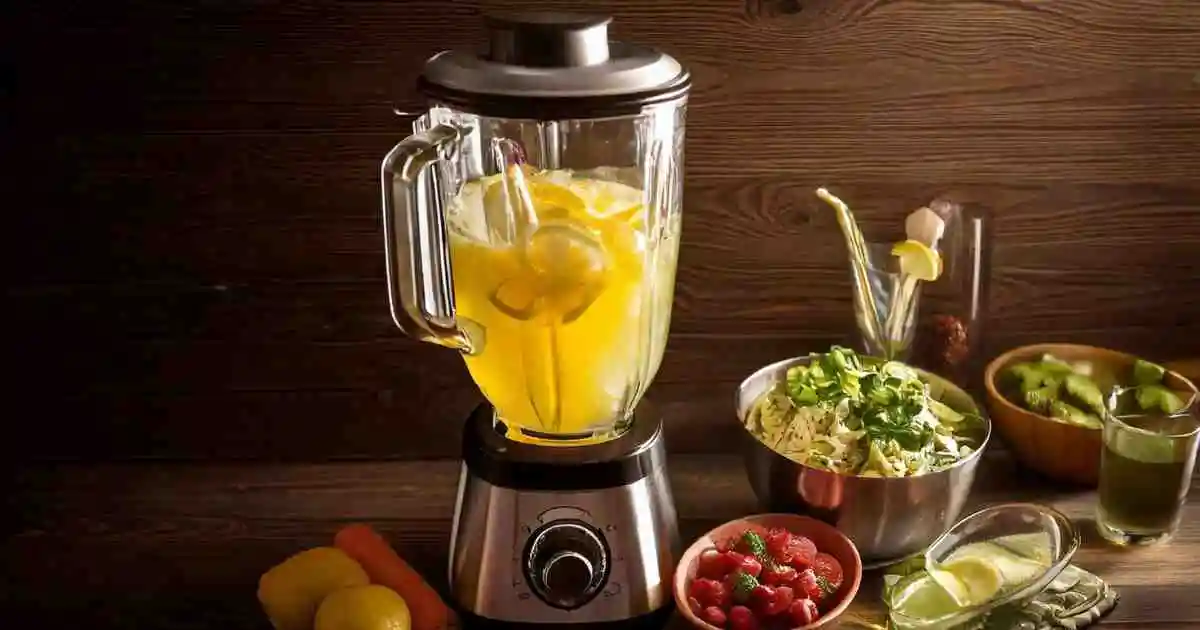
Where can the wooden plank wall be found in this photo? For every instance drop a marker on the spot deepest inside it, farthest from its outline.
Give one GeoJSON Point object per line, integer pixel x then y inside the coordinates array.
{"type": "Point", "coordinates": [194, 266]}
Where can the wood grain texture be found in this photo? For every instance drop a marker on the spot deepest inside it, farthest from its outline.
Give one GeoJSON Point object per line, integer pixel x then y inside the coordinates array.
{"type": "Point", "coordinates": [182, 545]}
{"type": "Point", "coordinates": [196, 268]}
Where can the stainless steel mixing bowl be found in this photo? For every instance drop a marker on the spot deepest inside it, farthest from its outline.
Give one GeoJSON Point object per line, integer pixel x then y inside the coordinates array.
{"type": "Point", "coordinates": [887, 518]}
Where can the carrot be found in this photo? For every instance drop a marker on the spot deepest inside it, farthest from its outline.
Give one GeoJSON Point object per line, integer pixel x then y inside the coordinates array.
{"type": "Point", "coordinates": [386, 568]}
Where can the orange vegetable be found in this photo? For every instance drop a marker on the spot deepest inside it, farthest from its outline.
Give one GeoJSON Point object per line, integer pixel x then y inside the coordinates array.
{"type": "Point", "coordinates": [386, 568]}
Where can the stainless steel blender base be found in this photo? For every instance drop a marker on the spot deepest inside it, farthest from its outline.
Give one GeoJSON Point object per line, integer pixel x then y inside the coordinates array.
{"type": "Point", "coordinates": [524, 552]}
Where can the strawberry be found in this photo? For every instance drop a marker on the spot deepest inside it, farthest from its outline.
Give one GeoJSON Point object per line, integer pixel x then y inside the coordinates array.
{"type": "Point", "coordinates": [806, 585]}
{"type": "Point", "coordinates": [784, 596]}
{"type": "Point", "coordinates": [778, 574]}
{"type": "Point", "coordinates": [731, 561]}
{"type": "Point", "coordinates": [710, 565]}
{"type": "Point", "coordinates": [714, 616]}
{"type": "Point", "coordinates": [803, 612]}
{"type": "Point", "coordinates": [803, 551]}
{"type": "Point", "coordinates": [828, 569]}
{"type": "Point", "coordinates": [776, 542]}
{"type": "Point", "coordinates": [750, 565]}
{"type": "Point", "coordinates": [740, 618]}
{"type": "Point", "coordinates": [762, 598]}
{"type": "Point", "coordinates": [709, 592]}
{"type": "Point", "coordinates": [785, 548]}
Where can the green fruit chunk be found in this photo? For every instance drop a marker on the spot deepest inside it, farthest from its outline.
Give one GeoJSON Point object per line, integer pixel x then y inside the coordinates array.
{"type": "Point", "coordinates": [1147, 373]}
{"type": "Point", "coordinates": [1157, 397]}
{"type": "Point", "coordinates": [1084, 391]}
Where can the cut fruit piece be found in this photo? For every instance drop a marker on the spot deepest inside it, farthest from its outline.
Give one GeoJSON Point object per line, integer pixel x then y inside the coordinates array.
{"type": "Point", "coordinates": [918, 596]}
{"type": "Point", "coordinates": [918, 260]}
{"type": "Point", "coordinates": [552, 200]}
{"type": "Point", "coordinates": [970, 580]}
{"type": "Point", "coordinates": [517, 298]}
{"type": "Point", "coordinates": [1147, 373]}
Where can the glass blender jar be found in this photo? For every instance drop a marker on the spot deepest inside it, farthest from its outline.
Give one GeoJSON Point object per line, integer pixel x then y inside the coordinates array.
{"type": "Point", "coordinates": [532, 221]}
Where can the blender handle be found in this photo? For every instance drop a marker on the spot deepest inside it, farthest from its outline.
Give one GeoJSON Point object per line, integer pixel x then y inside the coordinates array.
{"type": "Point", "coordinates": [420, 281]}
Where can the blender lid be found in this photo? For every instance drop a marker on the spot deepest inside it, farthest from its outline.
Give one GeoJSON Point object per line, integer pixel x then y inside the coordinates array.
{"type": "Point", "coordinates": [564, 62]}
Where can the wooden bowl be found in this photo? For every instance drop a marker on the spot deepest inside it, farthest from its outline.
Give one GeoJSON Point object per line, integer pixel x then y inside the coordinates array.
{"type": "Point", "coordinates": [1060, 451]}
{"type": "Point", "coordinates": [826, 537]}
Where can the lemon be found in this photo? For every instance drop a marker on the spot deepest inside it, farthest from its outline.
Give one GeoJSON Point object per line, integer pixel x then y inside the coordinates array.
{"type": "Point", "coordinates": [370, 607]}
{"type": "Point", "coordinates": [970, 580]}
{"type": "Point", "coordinates": [291, 591]}
{"type": "Point", "coordinates": [917, 596]}
{"type": "Point", "coordinates": [918, 260]}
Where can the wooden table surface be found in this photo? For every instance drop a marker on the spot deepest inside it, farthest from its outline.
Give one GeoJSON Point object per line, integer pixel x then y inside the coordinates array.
{"type": "Point", "coordinates": [155, 545]}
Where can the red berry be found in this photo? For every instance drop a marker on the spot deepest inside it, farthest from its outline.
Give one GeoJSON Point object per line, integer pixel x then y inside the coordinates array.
{"type": "Point", "coordinates": [731, 561]}
{"type": "Point", "coordinates": [826, 566]}
{"type": "Point", "coordinates": [777, 540]}
{"type": "Point", "coordinates": [709, 592]}
{"type": "Point", "coordinates": [714, 616]}
{"type": "Point", "coordinates": [803, 612]}
{"type": "Point", "coordinates": [710, 565]}
{"type": "Point", "coordinates": [784, 596]}
{"type": "Point", "coordinates": [761, 600]}
{"type": "Point", "coordinates": [806, 585]}
{"type": "Point", "coordinates": [803, 551]}
{"type": "Point", "coordinates": [777, 575]}
{"type": "Point", "coordinates": [740, 618]}
{"type": "Point", "coordinates": [751, 565]}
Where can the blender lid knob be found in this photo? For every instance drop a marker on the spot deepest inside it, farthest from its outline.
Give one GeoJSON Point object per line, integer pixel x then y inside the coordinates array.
{"type": "Point", "coordinates": [548, 40]}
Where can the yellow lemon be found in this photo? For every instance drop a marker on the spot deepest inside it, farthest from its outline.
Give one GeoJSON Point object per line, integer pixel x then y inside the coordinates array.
{"type": "Point", "coordinates": [291, 591]}
{"type": "Point", "coordinates": [371, 607]}
{"type": "Point", "coordinates": [918, 260]}
{"type": "Point", "coordinates": [970, 580]}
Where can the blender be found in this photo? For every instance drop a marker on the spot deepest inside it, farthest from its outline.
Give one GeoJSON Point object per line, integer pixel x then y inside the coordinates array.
{"type": "Point", "coordinates": [532, 223]}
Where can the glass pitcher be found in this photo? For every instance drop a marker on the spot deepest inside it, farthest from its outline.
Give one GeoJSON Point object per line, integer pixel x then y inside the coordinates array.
{"type": "Point", "coordinates": [532, 221]}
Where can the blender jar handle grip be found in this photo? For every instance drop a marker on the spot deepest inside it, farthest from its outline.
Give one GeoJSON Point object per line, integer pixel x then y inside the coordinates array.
{"type": "Point", "coordinates": [420, 282]}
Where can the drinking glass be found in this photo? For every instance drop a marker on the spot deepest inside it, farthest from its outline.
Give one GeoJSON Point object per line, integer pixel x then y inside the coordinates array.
{"type": "Point", "coordinates": [884, 312]}
{"type": "Point", "coordinates": [949, 337]}
{"type": "Point", "coordinates": [1145, 472]}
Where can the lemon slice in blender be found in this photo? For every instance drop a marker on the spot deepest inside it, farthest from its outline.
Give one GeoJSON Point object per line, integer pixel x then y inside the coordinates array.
{"type": "Point", "coordinates": [918, 260]}
{"type": "Point", "coordinates": [572, 264]}
{"type": "Point", "coordinates": [970, 580]}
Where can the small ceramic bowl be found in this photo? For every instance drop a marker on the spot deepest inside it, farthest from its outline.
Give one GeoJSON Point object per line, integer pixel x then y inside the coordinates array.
{"type": "Point", "coordinates": [826, 537]}
{"type": "Point", "coordinates": [1060, 451]}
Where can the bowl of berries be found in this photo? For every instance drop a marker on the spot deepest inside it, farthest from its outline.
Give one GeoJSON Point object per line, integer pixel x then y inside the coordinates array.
{"type": "Point", "coordinates": [768, 571]}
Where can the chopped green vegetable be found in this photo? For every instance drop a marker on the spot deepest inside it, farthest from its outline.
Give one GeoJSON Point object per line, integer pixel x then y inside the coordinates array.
{"type": "Point", "coordinates": [1085, 392]}
{"type": "Point", "coordinates": [1071, 414]}
{"type": "Point", "coordinates": [943, 412]}
{"type": "Point", "coordinates": [862, 416]}
{"type": "Point", "coordinates": [1070, 392]}
{"type": "Point", "coordinates": [1039, 400]}
{"type": "Point", "coordinates": [1147, 373]}
{"type": "Point", "coordinates": [1157, 397]}
{"type": "Point", "coordinates": [743, 584]}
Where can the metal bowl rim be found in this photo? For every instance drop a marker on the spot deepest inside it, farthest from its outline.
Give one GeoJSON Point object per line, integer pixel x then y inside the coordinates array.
{"type": "Point", "coordinates": [786, 363]}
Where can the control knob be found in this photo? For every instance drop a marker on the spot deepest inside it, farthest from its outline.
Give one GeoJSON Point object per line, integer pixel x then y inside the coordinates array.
{"type": "Point", "coordinates": [566, 563]}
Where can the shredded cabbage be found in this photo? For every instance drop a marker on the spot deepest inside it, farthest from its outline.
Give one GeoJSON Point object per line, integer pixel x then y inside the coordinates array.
{"type": "Point", "coordinates": [865, 418]}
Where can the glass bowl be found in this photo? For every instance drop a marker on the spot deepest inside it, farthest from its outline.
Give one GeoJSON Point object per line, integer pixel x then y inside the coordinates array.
{"type": "Point", "coordinates": [1029, 545]}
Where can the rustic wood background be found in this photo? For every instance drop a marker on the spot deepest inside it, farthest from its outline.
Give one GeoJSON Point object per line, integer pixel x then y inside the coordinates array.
{"type": "Point", "coordinates": [195, 264]}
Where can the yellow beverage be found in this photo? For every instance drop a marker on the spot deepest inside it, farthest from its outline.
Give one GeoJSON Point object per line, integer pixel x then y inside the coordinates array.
{"type": "Point", "coordinates": [565, 296]}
